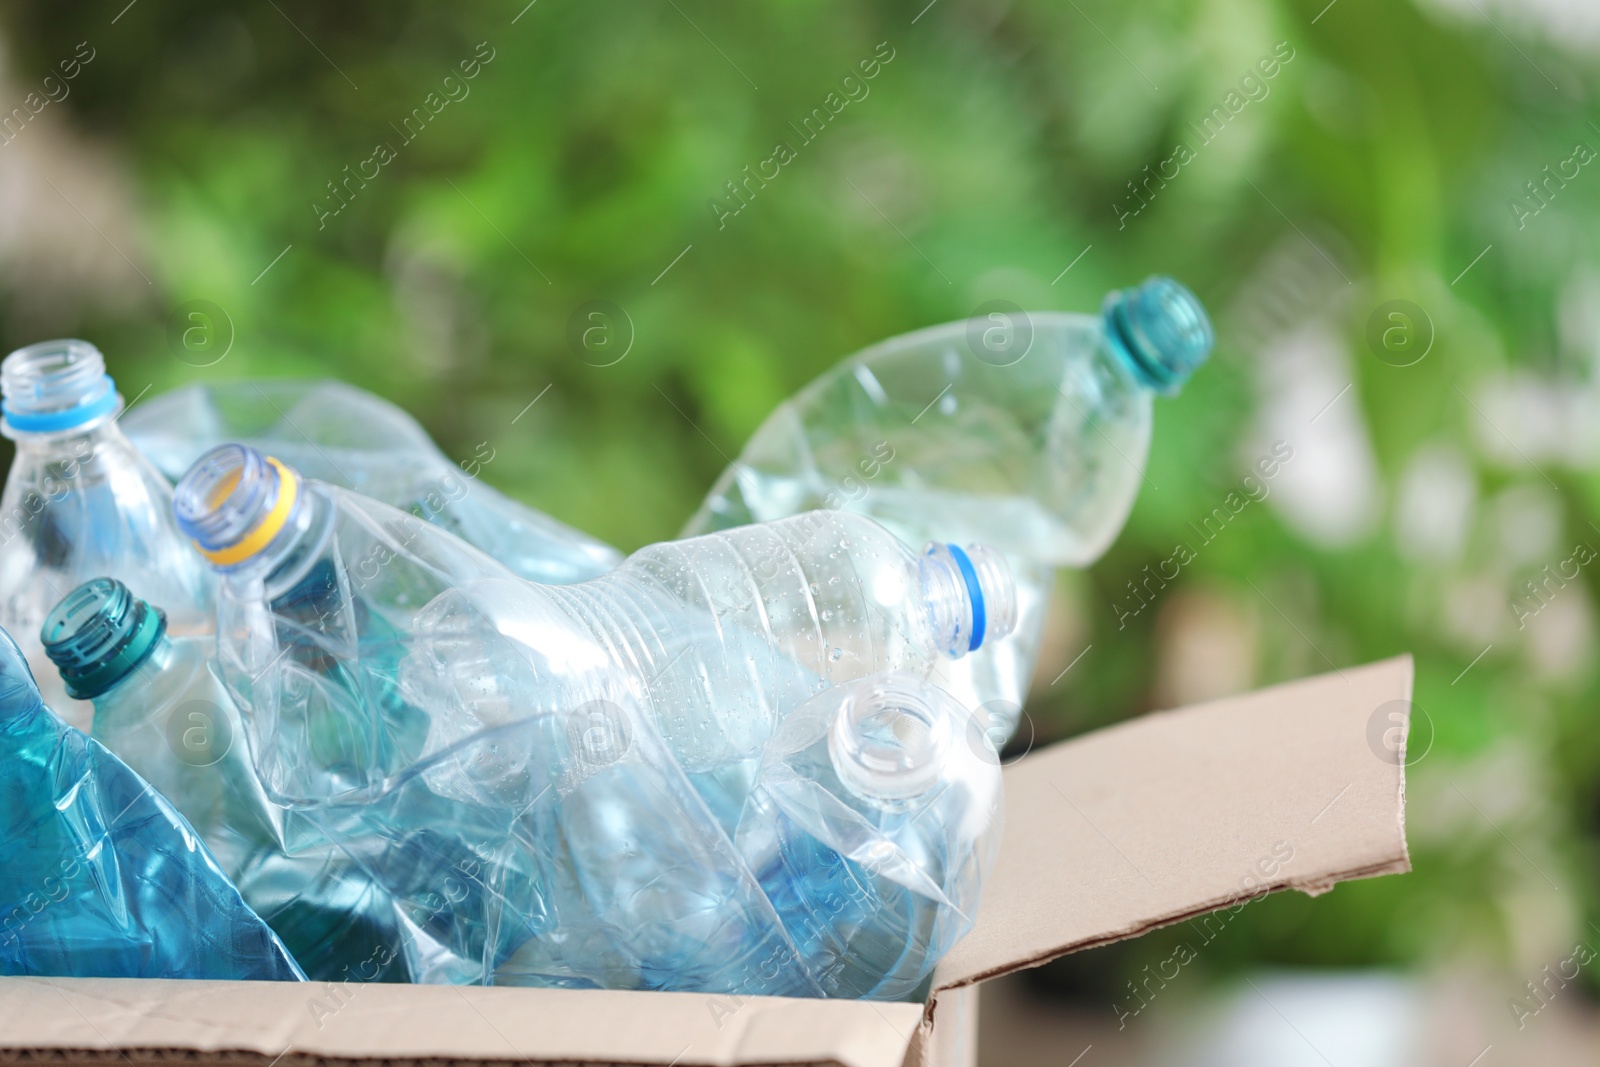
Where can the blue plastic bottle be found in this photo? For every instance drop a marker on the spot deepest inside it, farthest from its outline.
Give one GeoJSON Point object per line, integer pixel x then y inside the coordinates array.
{"type": "Point", "coordinates": [873, 823]}
{"type": "Point", "coordinates": [160, 708]}
{"type": "Point", "coordinates": [100, 877]}
{"type": "Point", "coordinates": [1026, 431]}
{"type": "Point", "coordinates": [346, 436]}
{"type": "Point", "coordinates": [80, 502]}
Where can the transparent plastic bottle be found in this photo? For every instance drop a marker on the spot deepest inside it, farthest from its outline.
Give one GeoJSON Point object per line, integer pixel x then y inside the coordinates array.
{"type": "Point", "coordinates": [351, 635]}
{"type": "Point", "coordinates": [81, 502]}
{"type": "Point", "coordinates": [346, 436]}
{"type": "Point", "coordinates": [446, 722]}
{"type": "Point", "coordinates": [1026, 431]}
{"type": "Point", "coordinates": [159, 708]}
{"type": "Point", "coordinates": [319, 587]}
{"type": "Point", "coordinates": [100, 876]}
{"type": "Point", "coordinates": [567, 849]}
{"type": "Point", "coordinates": [873, 824]}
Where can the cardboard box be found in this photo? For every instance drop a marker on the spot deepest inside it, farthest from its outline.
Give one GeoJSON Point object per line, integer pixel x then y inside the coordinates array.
{"type": "Point", "coordinates": [1110, 835]}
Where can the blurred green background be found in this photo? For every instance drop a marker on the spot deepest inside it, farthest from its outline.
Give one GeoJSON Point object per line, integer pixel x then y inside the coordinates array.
{"type": "Point", "coordinates": [1003, 150]}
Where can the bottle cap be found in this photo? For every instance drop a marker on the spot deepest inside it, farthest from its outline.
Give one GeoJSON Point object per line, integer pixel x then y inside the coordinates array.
{"type": "Point", "coordinates": [98, 634]}
{"type": "Point", "coordinates": [1161, 330]}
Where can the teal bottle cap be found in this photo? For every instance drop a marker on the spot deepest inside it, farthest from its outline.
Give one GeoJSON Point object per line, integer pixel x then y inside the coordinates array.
{"type": "Point", "coordinates": [1161, 329]}
{"type": "Point", "coordinates": [98, 634]}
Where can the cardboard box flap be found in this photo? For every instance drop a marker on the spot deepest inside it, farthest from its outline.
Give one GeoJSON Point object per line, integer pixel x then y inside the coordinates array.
{"type": "Point", "coordinates": [1180, 813]}
{"type": "Point", "coordinates": [290, 1024]}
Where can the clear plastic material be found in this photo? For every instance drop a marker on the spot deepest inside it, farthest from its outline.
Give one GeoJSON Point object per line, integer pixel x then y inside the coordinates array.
{"type": "Point", "coordinates": [100, 877]}
{"type": "Point", "coordinates": [546, 777]}
{"type": "Point", "coordinates": [81, 502]}
{"type": "Point", "coordinates": [319, 592]}
{"type": "Point", "coordinates": [345, 436]}
{"type": "Point", "coordinates": [160, 708]}
{"type": "Point", "coordinates": [874, 821]}
{"type": "Point", "coordinates": [720, 636]}
{"type": "Point", "coordinates": [566, 849]}
{"type": "Point", "coordinates": [1026, 431]}
{"type": "Point", "coordinates": [349, 618]}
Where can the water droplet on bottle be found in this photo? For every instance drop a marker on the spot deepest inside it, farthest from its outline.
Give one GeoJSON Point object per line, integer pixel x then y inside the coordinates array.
{"type": "Point", "coordinates": [836, 654]}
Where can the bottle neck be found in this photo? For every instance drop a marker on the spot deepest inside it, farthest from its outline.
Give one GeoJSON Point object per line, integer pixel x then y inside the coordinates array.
{"type": "Point", "coordinates": [100, 634]}
{"type": "Point", "coordinates": [1159, 331]}
{"type": "Point", "coordinates": [890, 739]}
{"type": "Point", "coordinates": [54, 388]}
{"type": "Point", "coordinates": [154, 663]}
{"type": "Point", "coordinates": [253, 518]}
{"type": "Point", "coordinates": [969, 594]}
{"type": "Point", "coordinates": [294, 552]}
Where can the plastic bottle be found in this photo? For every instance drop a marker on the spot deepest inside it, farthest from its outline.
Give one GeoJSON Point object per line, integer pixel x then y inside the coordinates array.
{"type": "Point", "coordinates": [1027, 431]}
{"type": "Point", "coordinates": [874, 821]}
{"type": "Point", "coordinates": [159, 707]}
{"type": "Point", "coordinates": [567, 849]}
{"type": "Point", "coordinates": [351, 634]}
{"type": "Point", "coordinates": [81, 502]}
{"type": "Point", "coordinates": [100, 877]}
{"type": "Point", "coordinates": [319, 588]}
{"type": "Point", "coordinates": [346, 436]}
{"type": "Point", "coordinates": [449, 725]}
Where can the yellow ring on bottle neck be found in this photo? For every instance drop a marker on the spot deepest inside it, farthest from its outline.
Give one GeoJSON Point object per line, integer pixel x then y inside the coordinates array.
{"type": "Point", "coordinates": [261, 535]}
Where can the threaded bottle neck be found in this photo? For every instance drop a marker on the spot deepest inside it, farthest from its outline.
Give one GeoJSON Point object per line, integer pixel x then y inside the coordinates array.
{"type": "Point", "coordinates": [99, 634]}
{"type": "Point", "coordinates": [235, 503]}
{"type": "Point", "coordinates": [969, 594]}
{"type": "Point", "coordinates": [54, 387]}
{"type": "Point", "coordinates": [1160, 330]}
{"type": "Point", "coordinates": [891, 737]}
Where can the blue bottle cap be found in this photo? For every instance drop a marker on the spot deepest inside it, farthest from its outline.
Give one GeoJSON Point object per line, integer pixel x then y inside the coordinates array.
{"type": "Point", "coordinates": [1161, 330]}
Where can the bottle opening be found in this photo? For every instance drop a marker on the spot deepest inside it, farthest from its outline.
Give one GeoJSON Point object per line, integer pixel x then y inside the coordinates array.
{"type": "Point", "coordinates": [1161, 330]}
{"type": "Point", "coordinates": [233, 502]}
{"type": "Point", "coordinates": [890, 738]}
{"type": "Point", "coordinates": [98, 634]}
{"type": "Point", "coordinates": [970, 595]}
{"type": "Point", "coordinates": [55, 386]}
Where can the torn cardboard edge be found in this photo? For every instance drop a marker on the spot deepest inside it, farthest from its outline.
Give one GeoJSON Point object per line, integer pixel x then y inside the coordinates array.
{"type": "Point", "coordinates": [1155, 821]}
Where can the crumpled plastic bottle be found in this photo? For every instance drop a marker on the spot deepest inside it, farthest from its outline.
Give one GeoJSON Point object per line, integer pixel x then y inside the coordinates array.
{"type": "Point", "coordinates": [722, 635]}
{"type": "Point", "coordinates": [100, 877]}
{"type": "Point", "coordinates": [351, 634]}
{"type": "Point", "coordinates": [319, 588]}
{"type": "Point", "coordinates": [80, 502]}
{"type": "Point", "coordinates": [438, 715]}
{"type": "Point", "coordinates": [161, 709]}
{"type": "Point", "coordinates": [567, 849]}
{"type": "Point", "coordinates": [1026, 431]}
{"type": "Point", "coordinates": [873, 824]}
{"type": "Point", "coordinates": [346, 436]}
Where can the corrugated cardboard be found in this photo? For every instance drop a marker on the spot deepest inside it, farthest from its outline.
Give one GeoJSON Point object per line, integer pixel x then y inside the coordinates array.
{"type": "Point", "coordinates": [1108, 836]}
